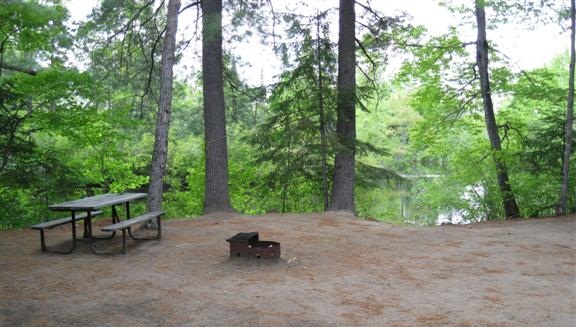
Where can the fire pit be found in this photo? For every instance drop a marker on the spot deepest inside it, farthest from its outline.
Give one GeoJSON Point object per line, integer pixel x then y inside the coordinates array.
{"type": "Point", "coordinates": [247, 245]}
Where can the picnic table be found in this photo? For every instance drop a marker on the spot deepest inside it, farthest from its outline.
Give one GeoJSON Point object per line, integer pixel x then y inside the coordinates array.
{"type": "Point", "coordinates": [87, 208]}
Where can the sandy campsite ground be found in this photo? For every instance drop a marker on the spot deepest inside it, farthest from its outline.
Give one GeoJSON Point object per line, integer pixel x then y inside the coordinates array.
{"type": "Point", "coordinates": [335, 271]}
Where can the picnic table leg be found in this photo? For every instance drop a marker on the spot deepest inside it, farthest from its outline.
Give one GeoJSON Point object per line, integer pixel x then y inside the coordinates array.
{"type": "Point", "coordinates": [158, 233]}
{"type": "Point", "coordinates": [43, 241]}
{"type": "Point", "coordinates": [73, 223]}
{"type": "Point", "coordinates": [124, 247]}
{"type": "Point", "coordinates": [73, 231]}
{"type": "Point", "coordinates": [86, 232]}
{"type": "Point", "coordinates": [45, 248]}
{"type": "Point", "coordinates": [127, 210]}
{"type": "Point", "coordinates": [88, 225]}
{"type": "Point", "coordinates": [115, 219]}
{"type": "Point", "coordinates": [159, 236]}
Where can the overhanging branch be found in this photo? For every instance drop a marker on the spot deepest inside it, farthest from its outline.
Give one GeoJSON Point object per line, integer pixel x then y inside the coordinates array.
{"type": "Point", "coordinates": [193, 4]}
{"type": "Point", "coordinates": [28, 71]}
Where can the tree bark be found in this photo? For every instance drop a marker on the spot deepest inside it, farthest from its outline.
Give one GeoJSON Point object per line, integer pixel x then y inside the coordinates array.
{"type": "Point", "coordinates": [510, 206]}
{"type": "Point", "coordinates": [216, 196]}
{"type": "Point", "coordinates": [344, 165]}
{"type": "Point", "coordinates": [160, 154]}
{"type": "Point", "coordinates": [322, 120]}
{"type": "Point", "coordinates": [563, 201]}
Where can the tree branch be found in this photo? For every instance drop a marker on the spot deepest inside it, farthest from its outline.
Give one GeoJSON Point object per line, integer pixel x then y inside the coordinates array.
{"type": "Point", "coordinates": [160, 6]}
{"type": "Point", "coordinates": [417, 45]}
{"type": "Point", "coordinates": [196, 3]}
{"type": "Point", "coordinates": [131, 21]}
{"type": "Point", "coordinates": [365, 53]}
{"type": "Point", "coordinates": [18, 69]}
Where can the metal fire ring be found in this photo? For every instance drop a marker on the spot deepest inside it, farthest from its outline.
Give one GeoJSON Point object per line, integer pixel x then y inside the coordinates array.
{"type": "Point", "coordinates": [248, 245]}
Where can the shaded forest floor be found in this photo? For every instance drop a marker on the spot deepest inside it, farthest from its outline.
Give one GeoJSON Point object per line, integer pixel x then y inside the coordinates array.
{"type": "Point", "coordinates": [335, 271]}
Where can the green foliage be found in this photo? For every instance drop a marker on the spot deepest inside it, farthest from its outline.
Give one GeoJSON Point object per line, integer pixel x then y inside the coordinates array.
{"type": "Point", "coordinates": [531, 123]}
{"type": "Point", "coordinates": [36, 104]}
{"type": "Point", "coordinates": [290, 137]}
{"type": "Point", "coordinates": [57, 142]}
{"type": "Point", "coordinates": [508, 12]}
{"type": "Point", "coordinates": [33, 28]}
{"type": "Point", "coordinates": [124, 41]}
{"type": "Point", "coordinates": [187, 199]}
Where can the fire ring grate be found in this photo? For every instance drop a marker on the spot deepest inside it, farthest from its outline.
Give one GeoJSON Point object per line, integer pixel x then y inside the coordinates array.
{"type": "Point", "coordinates": [248, 245]}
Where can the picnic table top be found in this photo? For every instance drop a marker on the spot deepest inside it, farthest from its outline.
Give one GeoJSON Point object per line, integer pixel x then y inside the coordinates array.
{"type": "Point", "coordinates": [96, 202]}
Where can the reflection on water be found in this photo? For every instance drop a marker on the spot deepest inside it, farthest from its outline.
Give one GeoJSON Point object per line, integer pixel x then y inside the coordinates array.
{"type": "Point", "coordinates": [471, 196]}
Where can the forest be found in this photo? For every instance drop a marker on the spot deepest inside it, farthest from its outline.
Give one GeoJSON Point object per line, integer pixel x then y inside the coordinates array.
{"type": "Point", "coordinates": [150, 95]}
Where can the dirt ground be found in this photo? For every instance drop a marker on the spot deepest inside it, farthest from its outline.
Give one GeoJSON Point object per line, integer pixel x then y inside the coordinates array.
{"type": "Point", "coordinates": [335, 270]}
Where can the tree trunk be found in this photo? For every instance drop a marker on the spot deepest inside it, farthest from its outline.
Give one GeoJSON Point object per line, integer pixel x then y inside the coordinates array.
{"type": "Point", "coordinates": [344, 175]}
{"type": "Point", "coordinates": [510, 206]}
{"type": "Point", "coordinates": [160, 154]}
{"type": "Point", "coordinates": [216, 196]}
{"type": "Point", "coordinates": [322, 121]}
{"type": "Point", "coordinates": [562, 203]}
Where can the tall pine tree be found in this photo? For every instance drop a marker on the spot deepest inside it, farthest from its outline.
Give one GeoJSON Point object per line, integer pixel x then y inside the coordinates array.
{"type": "Point", "coordinates": [216, 195]}
{"type": "Point", "coordinates": [344, 164]}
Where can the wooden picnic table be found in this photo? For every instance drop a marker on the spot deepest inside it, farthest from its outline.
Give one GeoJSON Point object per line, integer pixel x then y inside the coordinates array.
{"type": "Point", "coordinates": [89, 205]}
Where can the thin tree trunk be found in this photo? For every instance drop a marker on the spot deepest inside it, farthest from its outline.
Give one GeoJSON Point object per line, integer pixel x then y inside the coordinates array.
{"type": "Point", "coordinates": [510, 206]}
{"type": "Point", "coordinates": [563, 201]}
{"type": "Point", "coordinates": [344, 175]}
{"type": "Point", "coordinates": [216, 196]}
{"type": "Point", "coordinates": [284, 197]}
{"type": "Point", "coordinates": [322, 121]}
{"type": "Point", "coordinates": [160, 154]}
